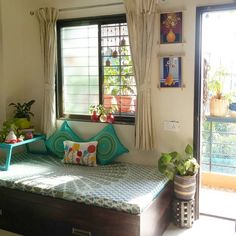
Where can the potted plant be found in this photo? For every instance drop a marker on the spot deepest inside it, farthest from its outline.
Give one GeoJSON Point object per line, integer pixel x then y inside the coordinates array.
{"type": "Point", "coordinates": [100, 112]}
{"type": "Point", "coordinates": [182, 169]}
{"type": "Point", "coordinates": [218, 102]}
{"type": "Point", "coordinates": [23, 113]}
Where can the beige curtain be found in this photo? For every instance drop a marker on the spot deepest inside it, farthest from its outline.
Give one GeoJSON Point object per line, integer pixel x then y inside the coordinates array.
{"type": "Point", "coordinates": [47, 18]}
{"type": "Point", "coordinates": [141, 17]}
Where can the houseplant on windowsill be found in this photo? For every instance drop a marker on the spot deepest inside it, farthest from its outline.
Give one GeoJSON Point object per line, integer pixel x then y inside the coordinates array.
{"type": "Point", "coordinates": [181, 169]}
{"type": "Point", "coordinates": [219, 101]}
{"type": "Point", "coordinates": [23, 113]}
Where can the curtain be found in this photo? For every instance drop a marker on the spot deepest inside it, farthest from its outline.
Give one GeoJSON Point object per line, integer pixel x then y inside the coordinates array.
{"type": "Point", "coordinates": [141, 18]}
{"type": "Point", "coordinates": [47, 18]}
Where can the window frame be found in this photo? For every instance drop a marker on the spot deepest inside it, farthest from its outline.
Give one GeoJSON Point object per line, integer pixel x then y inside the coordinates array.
{"type": "Point", "coordinates": [113, 19]}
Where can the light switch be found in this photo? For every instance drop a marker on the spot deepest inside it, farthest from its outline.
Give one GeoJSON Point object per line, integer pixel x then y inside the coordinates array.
{"type": "Point", "coordinates": [171, 125]}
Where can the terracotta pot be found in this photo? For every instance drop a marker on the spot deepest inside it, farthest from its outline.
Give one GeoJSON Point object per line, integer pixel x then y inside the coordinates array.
{"type": "Point", "coordinates": [185, 187]}
{"type": "Point", "coordinates": [218, 107]}
{"type": "Point", "coordinates": [107, 101]}
{"type": "Point", "coordinates": [124, 103]}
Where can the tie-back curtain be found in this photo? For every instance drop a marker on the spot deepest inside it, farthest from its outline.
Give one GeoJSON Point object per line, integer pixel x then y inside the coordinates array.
{"type": "Point", "coordinates": [141, 18]}
{"type": "Point", "coordinates": [47, 18]}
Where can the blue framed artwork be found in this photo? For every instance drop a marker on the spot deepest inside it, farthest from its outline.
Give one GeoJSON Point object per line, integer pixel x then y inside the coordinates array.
{"type": "Point", "coordinates": [170, 72]}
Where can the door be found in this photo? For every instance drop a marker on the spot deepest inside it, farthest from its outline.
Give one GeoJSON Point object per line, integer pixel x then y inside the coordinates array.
{"type": "Point", "coordinates": [215, 83]}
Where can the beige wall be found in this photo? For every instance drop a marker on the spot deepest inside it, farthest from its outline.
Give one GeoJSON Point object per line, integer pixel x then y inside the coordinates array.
{"type": "Point", "coordinates": [21, 73]}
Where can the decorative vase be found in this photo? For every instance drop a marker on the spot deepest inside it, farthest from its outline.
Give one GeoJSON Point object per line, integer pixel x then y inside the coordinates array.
{"type": "Point", "coordinates": [94, 117]}
{"type": "Point", "coordinates": [185, 187]}
{"type": "Point", "coordinates": [110, 118]}
{"type": "Point", "coordinates": [170, 37]}
{"type": "Point", "coordinates": [103, 118]}
{"type": "Point", "coordinates": [218, 107]}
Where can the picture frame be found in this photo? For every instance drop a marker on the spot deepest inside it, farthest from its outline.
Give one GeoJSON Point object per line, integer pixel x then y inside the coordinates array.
{"type": "Point", "coordinates": [171, 27]}
{"type": "Point", "coordinates": [170, 72]}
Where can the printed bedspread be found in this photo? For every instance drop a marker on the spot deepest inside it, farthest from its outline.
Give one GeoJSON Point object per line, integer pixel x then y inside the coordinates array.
{"type": "Point", "coordinates": [120, 186]}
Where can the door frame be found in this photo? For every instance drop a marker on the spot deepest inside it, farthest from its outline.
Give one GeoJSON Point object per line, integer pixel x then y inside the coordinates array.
{"type": "Point", "coordinates": [198, 86]}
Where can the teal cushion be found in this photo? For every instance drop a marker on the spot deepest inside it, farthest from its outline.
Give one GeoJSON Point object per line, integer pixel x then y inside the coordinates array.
{"type": "Point", "coordinates": [109, 146]}
{"type": "Point", "coordinates": [55, 142]}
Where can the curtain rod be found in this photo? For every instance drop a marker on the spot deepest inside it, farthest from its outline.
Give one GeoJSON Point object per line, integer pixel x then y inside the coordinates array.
{"type": "Point", "coordinates": [85, 7]}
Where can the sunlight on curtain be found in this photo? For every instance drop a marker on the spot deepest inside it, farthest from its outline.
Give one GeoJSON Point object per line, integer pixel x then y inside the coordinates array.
{"type": "Point", "coordinates": [47, 18]}
{"type": "Point", "coordinates": [141, 18]}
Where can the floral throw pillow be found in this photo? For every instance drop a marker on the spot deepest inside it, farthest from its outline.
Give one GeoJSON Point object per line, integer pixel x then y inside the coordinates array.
{"type": "Point", "coordinates": [80, 153]}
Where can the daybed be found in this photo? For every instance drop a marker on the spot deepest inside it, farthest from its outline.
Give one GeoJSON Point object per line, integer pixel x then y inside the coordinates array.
{"type": "Point", "coordinates": [39, 195]}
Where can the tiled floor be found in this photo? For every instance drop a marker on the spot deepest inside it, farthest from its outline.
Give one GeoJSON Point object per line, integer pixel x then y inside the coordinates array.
{"type": "Point", "coordinates": [204, 226]}
{"type": "Point", "coordinates": [219, 202]}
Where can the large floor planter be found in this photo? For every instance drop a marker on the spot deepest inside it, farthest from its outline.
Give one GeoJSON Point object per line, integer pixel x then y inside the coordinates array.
{"type": "Point", "coordinates": [218, 107]}
{"type": "Point", "coordinates": [185, 187]}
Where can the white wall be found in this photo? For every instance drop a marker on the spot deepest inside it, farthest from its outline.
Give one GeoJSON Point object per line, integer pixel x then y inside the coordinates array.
{"type": "Point", "coordinates": [22, 71]}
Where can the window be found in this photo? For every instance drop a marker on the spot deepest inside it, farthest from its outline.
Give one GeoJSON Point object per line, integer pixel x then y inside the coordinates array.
{"type": "Point", "coordinates": [95, 67]}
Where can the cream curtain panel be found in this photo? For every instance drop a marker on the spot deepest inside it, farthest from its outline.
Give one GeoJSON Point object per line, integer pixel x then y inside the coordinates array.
{"type": "Point", "coordinates": [141, 17]}
{"type": "Point", "coordinates": [47, 18]}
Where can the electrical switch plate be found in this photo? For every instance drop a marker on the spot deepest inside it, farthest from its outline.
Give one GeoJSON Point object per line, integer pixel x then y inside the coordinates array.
{"type": "Point", "coordinates": [171, 125]}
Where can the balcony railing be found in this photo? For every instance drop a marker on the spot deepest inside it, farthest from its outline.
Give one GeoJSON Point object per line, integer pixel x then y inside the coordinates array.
{"type": "Point", "coordinates": [219, 145]}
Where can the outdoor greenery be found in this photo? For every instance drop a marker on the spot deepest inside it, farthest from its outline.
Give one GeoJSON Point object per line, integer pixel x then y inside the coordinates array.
{"type": "Point", "coordinates": [118, 77]}
{"type": "Point", "coordinates": [219, 145]}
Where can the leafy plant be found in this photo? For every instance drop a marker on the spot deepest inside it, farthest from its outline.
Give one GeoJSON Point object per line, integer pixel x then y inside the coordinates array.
{"type": "Point", "coordinates": [23, 110]}
{"type": "Point", "coordinates": [173, 163]}
{"type": "Point", "coordinates": [118, 79]}
{"type": "Point", "coordinates": [7, 127]}
{"type": "Point", "coordinates": [216, 81]}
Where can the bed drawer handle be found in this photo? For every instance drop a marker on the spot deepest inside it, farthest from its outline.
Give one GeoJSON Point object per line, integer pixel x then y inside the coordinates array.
{"type": "Point", "coordinates": [80, 232]}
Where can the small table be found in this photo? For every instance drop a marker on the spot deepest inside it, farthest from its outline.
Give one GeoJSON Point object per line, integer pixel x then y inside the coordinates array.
{"type": "Point", "coordinates": [9, 147]}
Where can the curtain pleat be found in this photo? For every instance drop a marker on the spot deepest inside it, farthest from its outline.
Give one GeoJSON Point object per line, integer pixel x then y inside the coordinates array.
{"type": "Point", "coordinates": [47, 18]}
{"type": "Point", "coordinates": [141, 17]}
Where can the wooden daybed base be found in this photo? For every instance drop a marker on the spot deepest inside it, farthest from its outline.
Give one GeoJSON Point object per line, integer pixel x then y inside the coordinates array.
{"type": "Point", "coordinates": [36, 215]}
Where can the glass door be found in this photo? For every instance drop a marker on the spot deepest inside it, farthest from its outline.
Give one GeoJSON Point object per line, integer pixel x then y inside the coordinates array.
{"type": "Point", "coordinates": [215, 108]}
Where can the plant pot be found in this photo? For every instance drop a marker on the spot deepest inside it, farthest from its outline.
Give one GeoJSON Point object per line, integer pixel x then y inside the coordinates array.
{"type": "Point", "coordinates": [22, 123]}
{"type": "Point", "coordinates": [108, 101]}
{"type": "Point", "coordinates": [218, 107]}
{"type": "Point", "coordinates": [124, 103]}
{"type": "Point", "coordinates": [185, 187]}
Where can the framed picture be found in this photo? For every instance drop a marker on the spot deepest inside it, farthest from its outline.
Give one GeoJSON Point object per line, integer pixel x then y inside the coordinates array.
{"type": "Point", "coordinates": [170, 72]}
{"type": "Point", "coordinates": [171, 27]}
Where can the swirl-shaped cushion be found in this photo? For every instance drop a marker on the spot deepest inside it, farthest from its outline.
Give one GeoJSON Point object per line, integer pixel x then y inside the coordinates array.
{"type": "Point", "coordinates": [109, 146]}
{"type": "Point", "coordinates": [55, 144]}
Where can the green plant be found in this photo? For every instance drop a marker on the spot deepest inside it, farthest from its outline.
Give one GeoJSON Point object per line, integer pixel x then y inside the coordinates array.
{"type": "Point", "coordinates": [23, 110]}
{"type": "Point", "coordinates": [118, 80]}
{"type": "Point", "coordinates": [216, 81]}
{"type": "Point", "coordinates": [101, 110]}
{"type": "Point", "coordinates": [173, 163]}
{"type": "Point", "coordinates": [7, 127]}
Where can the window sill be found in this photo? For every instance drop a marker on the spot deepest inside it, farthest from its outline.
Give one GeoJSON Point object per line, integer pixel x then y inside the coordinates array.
{"type": "Point", "coordinates": [116, 122]}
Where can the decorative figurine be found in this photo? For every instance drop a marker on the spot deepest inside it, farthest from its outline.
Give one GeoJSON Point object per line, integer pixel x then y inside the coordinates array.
{"type": "Point", "coordinates": [11, 137]}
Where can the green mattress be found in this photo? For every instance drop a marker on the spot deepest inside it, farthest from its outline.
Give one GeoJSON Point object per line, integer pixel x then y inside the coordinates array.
{"type": "Point", "coordinates": [120, 186]}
